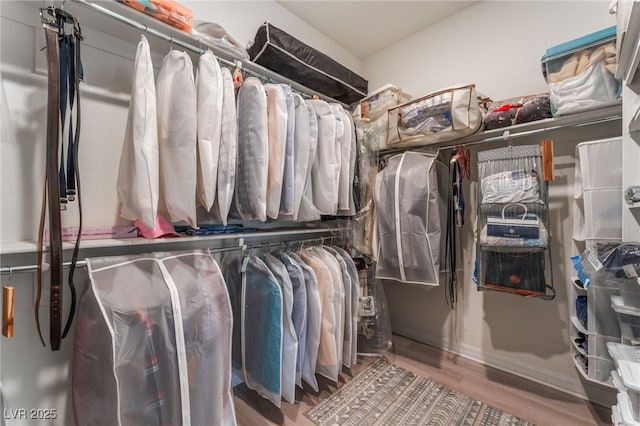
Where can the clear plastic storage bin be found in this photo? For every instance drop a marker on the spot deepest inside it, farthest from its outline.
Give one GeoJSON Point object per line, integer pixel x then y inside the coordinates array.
{"type": "Point", "coordinates": [598, 345]}
{"type": "Point", "coordinates": [620, 352]}
{"type": "Point", "coordinates": [629, 374]}
{"type": "Point", "coordinates": [626, 411]}
{"type": "Point", "coordinates": [628, 317]}
{"type": "Point", "coordinates": [601, 317]}
{"type": "Point", "coordinates": [580, 73]}
{"type": "Point", "coordinates": [630, 292]}
{"type": "Point", "coordinates": [599, 369]}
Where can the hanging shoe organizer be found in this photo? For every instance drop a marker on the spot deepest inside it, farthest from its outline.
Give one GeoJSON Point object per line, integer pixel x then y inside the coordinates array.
{"type": "Point", "coordinates": [513, 252]}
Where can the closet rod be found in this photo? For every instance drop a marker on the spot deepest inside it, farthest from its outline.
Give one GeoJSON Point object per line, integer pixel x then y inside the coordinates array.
{"type": "Point", "coordinates": [297, 87]}
{"type": "Point", "coordinates": [10, 270]}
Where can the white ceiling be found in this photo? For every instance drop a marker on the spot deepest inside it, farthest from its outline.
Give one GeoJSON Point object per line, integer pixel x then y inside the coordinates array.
{"type": "Point", "coordinates": [364, 27]}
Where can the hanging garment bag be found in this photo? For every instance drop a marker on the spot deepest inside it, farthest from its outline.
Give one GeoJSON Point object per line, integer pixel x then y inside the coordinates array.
{"type": "Point", "coordinates": [161, 349]}
{"type": "Point", "coordinates": [287, 201]}
{"type": "Point", "coordinates": [177, 125]}
{"type": "Point", "coordinates": [299, 312]}
{"type": "Point", "coordinates": [277, 131]}
{"type": "Point", "coordinates": [347, 176]}
{"type": "Point", "coordinates": [355, 298]}
{"type": "Point", "coordinates": [301, 143]}
{"type": "Point", "coordinates": [228, 148]}
{"type": "Point", "coordinates": [338, 154]}
{"type": "Point", "coordinates": [308, 210]}
{"type": "Point", "coordinates": [314, 323]}
{"type": "Point", "coordinates": [289, 335]}
{"type": "Point", "coordinates": [327, 361]}
{"type": "Point", "coordinates": [209, 97]}
{"type": "Point", "coordinates": [257, 304]}
{"type": "Point", "coordinates": [408, 217]}
{"type": "Point", "coordinates": [324, 169]}
{"type": "Point", "coordinates": [346, 329]}
{"type": "Point", "coordinates": [253, 151]}
{"type": "Point", "coordinates": [138, 175]}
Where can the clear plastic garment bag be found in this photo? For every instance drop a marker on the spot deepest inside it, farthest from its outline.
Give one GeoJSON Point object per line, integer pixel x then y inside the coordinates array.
{"type": "Point", "coordinates": [308, 210]}
{"type": "Point", "coordinates": [177, 124]}
{"type": "Point", "coordinates": [210, 96]}
{"type": "Point", "coordinates": [408, 218]}
{"type": "Point", "coordinates": [348, 167]}
{"type": "Point", "coordinates": [302, 147]}
{"type": "Point", "coordinates": [325, 167]}
{"type": "Point", "coordinates": [253, 151]}
{"type": "Point", "coordinates": [287, 200]}
{"type": "Point", "coordinates": [346, 328]}
{"type": "Point", "coordinates": [277, 131]}
{"type": "Point", "coordinates": [138, 175]}
{"type": "Point", "coordinates": [228, 148]}
{"type": "Point", "coordinates": [154, 331]}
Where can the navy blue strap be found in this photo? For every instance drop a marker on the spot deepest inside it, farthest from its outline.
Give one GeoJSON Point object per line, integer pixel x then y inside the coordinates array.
{"type": "Point", "coordinates": [64, 91]}
{"type": "Point", "coordinates": [71, 165]}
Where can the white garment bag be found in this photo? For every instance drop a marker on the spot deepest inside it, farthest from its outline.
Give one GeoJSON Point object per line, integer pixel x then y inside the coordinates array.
{"type": "Point", "coordinates": [289, 335]}
{"type": "Point", "coordinates": [349, 145]}
{"type": "Point", "coordinates": [277, 130]}
{"type": "Point", "coordinates": [301, 142]}
{"type": "Point", "coordinates": [228, 148]}
{"type": "Point", "coordinates": [355, 301]}
{"type": "Point", "coordinates": [342, 153]}
{"type": "Point", "coordinates": [314, 323]}
{"type": "Point", "coordinates": [347, 317]}
{"type": "Point", "coordinates": [210, 97]}
{"type": "Point", "coordinates": [287, 200]}
{"type": "Point", "coordinates": [177, 124]}
{"type": "Point", "coordinates": [138, 175]}
{"type": "Point", "coordinates": [308, 211]}
{"type": "Point", "coordinates": [299, 313]}
{"type": "Point", "coordinates": [408, 219]}
{"type": "Point", "coordinates": [325, 168]}
{"type": "Point", "coordinates": [253, 151]}
{"type": "Point", "coordinates": [327, 360]}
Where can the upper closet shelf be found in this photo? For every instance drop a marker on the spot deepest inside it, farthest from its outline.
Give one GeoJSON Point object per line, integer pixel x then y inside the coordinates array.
{"type": "Point", "coordinates": [586, 118]}
{"type": "Point", "coordinates": [93, 12]}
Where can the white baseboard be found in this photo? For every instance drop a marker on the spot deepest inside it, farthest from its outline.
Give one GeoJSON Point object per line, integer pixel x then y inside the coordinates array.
{"type": "Point", "coordinates": [598, 394]}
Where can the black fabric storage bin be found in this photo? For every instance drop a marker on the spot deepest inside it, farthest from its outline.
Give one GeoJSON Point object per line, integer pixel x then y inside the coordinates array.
{"type": "Point", "coordinates": [521, 273]}
{"type": "Point", "coordinates": [280, 52]}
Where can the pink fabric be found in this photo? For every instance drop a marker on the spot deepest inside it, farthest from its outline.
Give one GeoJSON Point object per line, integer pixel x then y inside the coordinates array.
{"type": "Point", "coordinates": [162, 229]}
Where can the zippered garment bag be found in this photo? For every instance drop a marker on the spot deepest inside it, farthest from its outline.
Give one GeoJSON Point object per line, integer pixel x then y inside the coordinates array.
{"type": "Point", "coordinates": [257, 303]}
{"type": "Point", "coordinates": [308, 210]}
{"type": "Point", "coordinates": [289, 336]}
{"type": "Point", "coordinates": [277, 130]}
{"type": "Point", "coordinates": [177, 124]}
{"type": "Point", "coordinates": [344, 152]}
{"type": "Point", "coordinates": [156, 348]}
{"type": "Point", "coordinates": [301, 143]}
{"type": "Point", "coordinates": [138, 175]}
{"type": "Point", "coordinates": [325, 168]}
{"type": "Point", "coordinates": [253, 151]}
{"type": "Point", "coordinates": [228, 148]}
{"type": "Point", "coordinates": [287, 200]}
{"type": "Point", "coordinates": [346, 318]}
{"type": "Point", "coordinates": [338, 291]}
{"type": "Point", "coordinates": [408, 217]}
{"type": "Point", "coordinates": [299, 313]}
{"type": "Point", "coordinates": [355, 300]}
{"type": "Point", "coordinates": [210, 96]}
{"type": "Point", "coordinates": [338, 153]}
{"type": "Point", "coordinates": [314, 323]}
{"type": "Point", "coordinates": [327, 361]}
{"type": "Point", "coordinates": [349, 151]}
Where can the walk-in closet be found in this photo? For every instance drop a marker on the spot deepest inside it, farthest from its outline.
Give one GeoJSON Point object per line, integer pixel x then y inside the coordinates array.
{"type": "Point", "coordinates": [320, 213]}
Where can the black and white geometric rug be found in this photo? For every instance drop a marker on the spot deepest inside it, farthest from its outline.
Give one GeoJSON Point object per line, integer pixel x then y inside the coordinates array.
{"type": "Point", "coordinates": [385, 394]}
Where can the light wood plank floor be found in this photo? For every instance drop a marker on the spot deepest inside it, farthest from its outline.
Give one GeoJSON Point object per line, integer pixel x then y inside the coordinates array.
{"type": "Point", "coordinates": [521, 397]}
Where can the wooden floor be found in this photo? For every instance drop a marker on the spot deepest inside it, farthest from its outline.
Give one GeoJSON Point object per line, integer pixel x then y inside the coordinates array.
{"type": "Point", "coordinates": [521, 397]}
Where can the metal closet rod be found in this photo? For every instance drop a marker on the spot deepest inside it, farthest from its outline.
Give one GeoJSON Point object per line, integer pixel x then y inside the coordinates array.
{"type": "Point", "coordinates": [9, 270]}
{"type": "Point", "coordinates": [149, 30]}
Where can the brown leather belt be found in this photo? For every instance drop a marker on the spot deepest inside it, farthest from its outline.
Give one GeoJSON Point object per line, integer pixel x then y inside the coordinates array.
{"type": "Point", "coordinates": [51, 197]}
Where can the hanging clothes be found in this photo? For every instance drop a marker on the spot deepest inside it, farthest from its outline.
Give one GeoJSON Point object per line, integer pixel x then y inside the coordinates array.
{"type": "Point", "coordinates": [287, 200]}
{"type": "Point", "coordinates": [228, 148]}
{"type": "Point", "coordinates": [138, 174]}
{"type": "Point", "coordinates": [159, 350]}
{"type": "Point", "coordinates": [289, 335]}
{"type": "Point", "coordinates": [253, 151]}
{"type": "Point", "coordinates": [355, 301]}
{"type": "Point", "coordinates": [327, 360]}
{"type": "Point", "coordinates": [408, 215]}
{"type": "Point", "coordinates": [347, 316]}
{"type": "Point", "coordinates": [299, 312]}
{"type": "Point", "coordinates": [257, 303]}
{"type": "Point", "coordinates": [277, 130]}
{"type": "Point", "coordinates": [339, 195]}
{"type": "Point", "coordinates": [325, 166]}
{"type": "Point", "coordinates": [348, 167]}
{"type": "Point", "coordinates": [314, 323]}
{"type": "Point", "coordinates": [177, 124]}
{"type": "Point", "coordinates": [308, 211]}
{"type": "Point", "coordinates": [209, 97]}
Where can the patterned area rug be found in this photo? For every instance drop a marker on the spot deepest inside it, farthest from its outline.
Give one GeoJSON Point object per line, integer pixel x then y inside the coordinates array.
{"type": "Point", "coordinates": [385, 394]}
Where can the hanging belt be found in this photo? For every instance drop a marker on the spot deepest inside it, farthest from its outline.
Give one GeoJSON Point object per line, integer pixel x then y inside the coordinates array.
{"type": "Point", "coordinates": [51, 197]}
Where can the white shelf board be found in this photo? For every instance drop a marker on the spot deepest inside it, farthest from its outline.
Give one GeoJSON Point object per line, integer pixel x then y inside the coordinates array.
{"type": "Point", "coordinates": [578, 326]}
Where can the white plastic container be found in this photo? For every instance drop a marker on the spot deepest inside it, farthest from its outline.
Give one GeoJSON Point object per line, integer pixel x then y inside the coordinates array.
{"type": "Point", "coordinates": [626, 413]}
{"type": "Point", "coordinates": [616, 418]}
{"type": "Point", "coordinates": [628, 317]}
{"type": "Point", "coordinates": [629, 373]}
{"type": "Point", "coordinates": [620, 352]}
